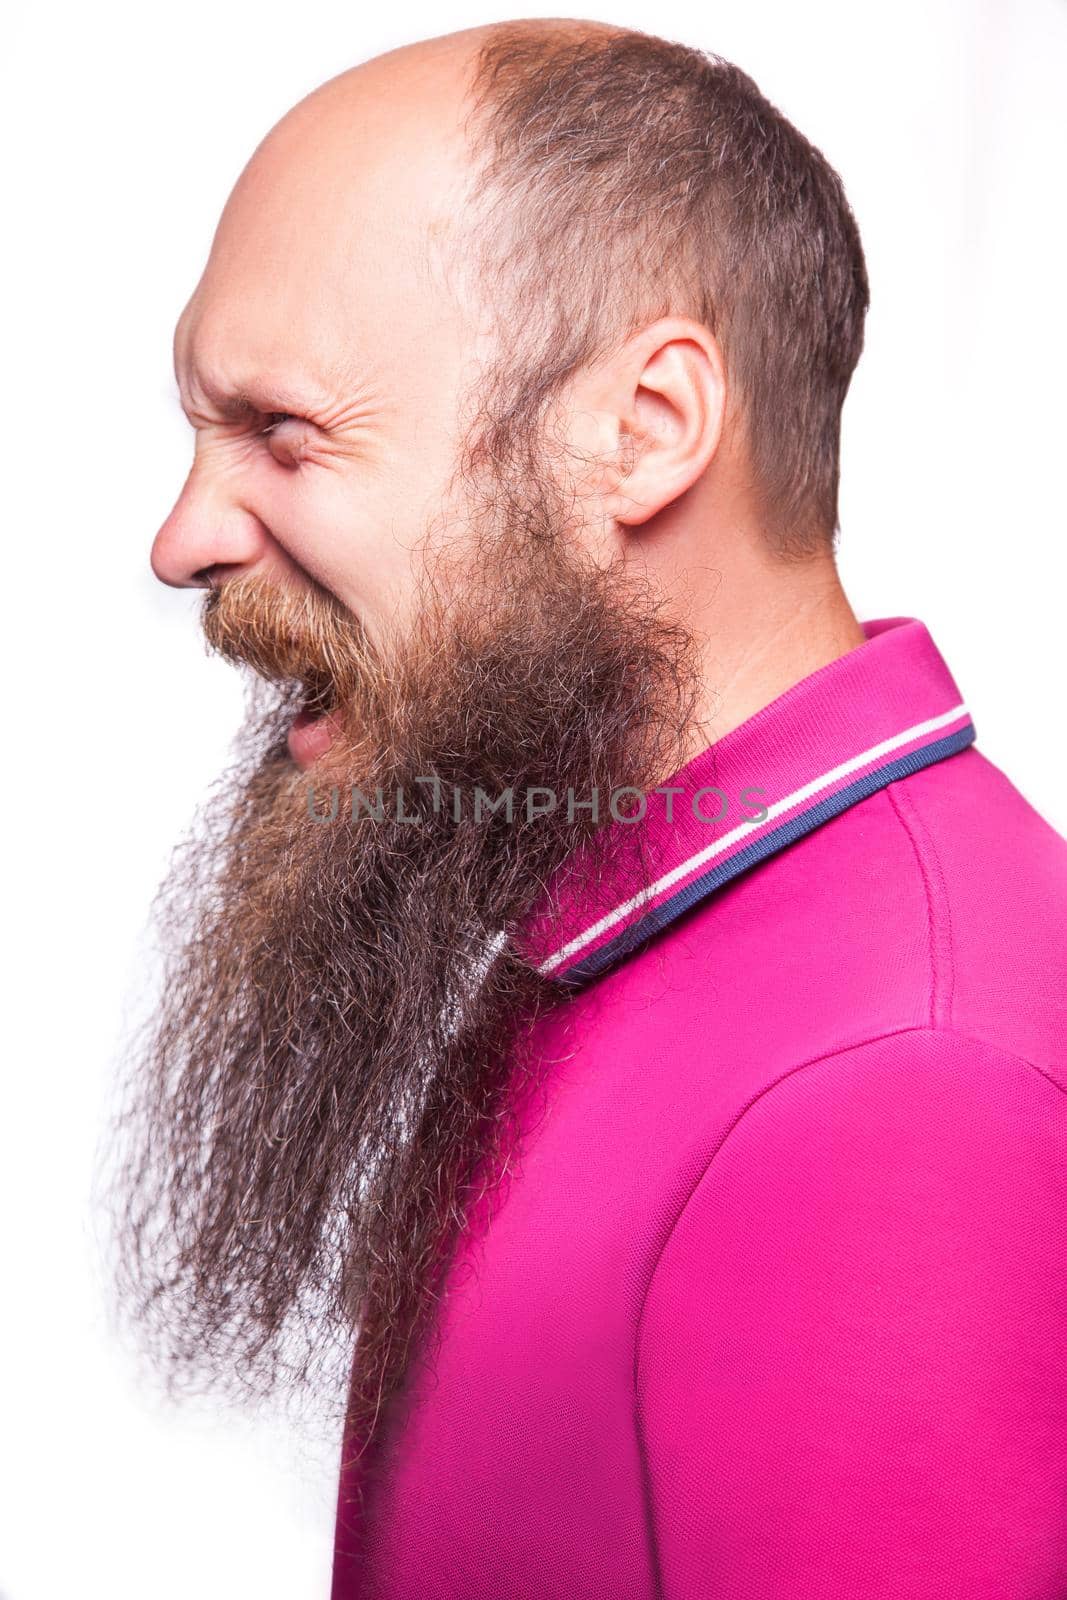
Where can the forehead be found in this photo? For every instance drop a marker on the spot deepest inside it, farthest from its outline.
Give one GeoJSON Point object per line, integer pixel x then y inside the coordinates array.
{"type": "Point", "coordinates": [255, 362]}
{"type": "Point", "coordinates": [325, 259]}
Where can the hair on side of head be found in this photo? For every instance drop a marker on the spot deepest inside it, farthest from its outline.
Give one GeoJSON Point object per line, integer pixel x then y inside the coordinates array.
{"type": "Point", "coordinates": [619, 177]}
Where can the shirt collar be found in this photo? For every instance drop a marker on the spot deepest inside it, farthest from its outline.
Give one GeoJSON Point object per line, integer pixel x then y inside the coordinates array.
{"type": "Point", "coordinates": [883, 710]}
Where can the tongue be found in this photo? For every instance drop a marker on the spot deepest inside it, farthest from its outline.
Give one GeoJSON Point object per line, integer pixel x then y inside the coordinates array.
{"type": "Point", "coordinates": [310, 736]}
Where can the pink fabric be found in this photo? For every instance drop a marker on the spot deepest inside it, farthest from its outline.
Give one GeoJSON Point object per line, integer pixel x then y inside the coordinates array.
{"type": "Point", "coordinates": [773, 1302]}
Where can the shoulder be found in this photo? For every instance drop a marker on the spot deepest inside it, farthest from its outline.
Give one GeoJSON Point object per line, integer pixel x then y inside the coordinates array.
{"type": "Point", "coordinates": [913, 1154]}
{"type": "Point", "coordinates": [851, 1345]}
{"type": "Point", "coordinates": [994, 886]}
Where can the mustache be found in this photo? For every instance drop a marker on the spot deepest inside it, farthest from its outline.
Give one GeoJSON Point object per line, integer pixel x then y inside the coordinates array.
{"type": "Point", "coordinates": [296, 637]}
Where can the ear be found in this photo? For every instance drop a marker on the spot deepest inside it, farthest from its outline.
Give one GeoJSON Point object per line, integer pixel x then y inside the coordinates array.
{"type": "Point", "coordinates": [667, 412]}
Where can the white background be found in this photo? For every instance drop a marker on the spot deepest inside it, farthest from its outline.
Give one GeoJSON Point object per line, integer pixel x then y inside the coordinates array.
{"type": "Point", "coordinates": [124, 128]}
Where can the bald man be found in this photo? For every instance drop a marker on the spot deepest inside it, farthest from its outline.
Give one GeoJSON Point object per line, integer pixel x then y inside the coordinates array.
{"type": "Point", "coordinates": [612, 1035]}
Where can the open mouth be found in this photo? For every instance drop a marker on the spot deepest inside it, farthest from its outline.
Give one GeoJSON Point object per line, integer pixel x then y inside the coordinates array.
{"type": "Point", "coordinates": [311, 733]}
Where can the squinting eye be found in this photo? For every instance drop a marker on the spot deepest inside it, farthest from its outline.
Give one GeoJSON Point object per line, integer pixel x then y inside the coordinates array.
{"type": "Point", "coordinates": [276, 418]}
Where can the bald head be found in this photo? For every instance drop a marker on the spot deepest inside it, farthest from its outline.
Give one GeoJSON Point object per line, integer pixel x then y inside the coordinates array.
{"type": "Point", "coordinates": [517, 225]}
{"type": "Point", "coordinates": [331, 335]}
{"type": "Point", "coordinates": [353, 186]}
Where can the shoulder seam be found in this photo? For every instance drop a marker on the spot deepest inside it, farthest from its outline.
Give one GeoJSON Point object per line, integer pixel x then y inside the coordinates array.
{"type": "Point", "coordinates": [768, 1088]}
{"type": "Point", "coordinates": [938, 911]}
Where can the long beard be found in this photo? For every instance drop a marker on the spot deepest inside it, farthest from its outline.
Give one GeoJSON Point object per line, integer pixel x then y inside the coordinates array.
{"type": "Point", "coordinates": [342, 1028]}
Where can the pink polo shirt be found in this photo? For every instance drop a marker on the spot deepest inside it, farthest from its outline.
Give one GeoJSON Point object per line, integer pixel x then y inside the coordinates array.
{"type": "Point", "coordinates": [773, 1304]}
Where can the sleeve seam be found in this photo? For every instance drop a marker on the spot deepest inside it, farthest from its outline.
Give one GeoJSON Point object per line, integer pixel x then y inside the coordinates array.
{"type": "Point", "coordinates": [768, 1088]}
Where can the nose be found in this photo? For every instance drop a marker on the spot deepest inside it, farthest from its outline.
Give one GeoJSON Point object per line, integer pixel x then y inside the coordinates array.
{"type": "Point", "coordinates": [205, 535]}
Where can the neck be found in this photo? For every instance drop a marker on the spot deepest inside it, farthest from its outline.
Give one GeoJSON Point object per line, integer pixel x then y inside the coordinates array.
{"type": "Point", "coordinates": [763, 631]}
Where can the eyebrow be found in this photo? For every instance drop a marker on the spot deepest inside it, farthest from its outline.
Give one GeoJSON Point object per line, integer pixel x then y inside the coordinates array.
{"type": "Point", "coordinates": [251, 399]}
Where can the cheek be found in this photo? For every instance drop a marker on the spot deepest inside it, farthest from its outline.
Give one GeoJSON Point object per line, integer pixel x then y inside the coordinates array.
{"type": "Point", "coordinates": [353, 539]}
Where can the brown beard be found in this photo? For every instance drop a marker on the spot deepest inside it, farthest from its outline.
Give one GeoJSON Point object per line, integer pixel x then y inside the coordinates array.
{"type": "Point", "coordinates": [341, 1031]}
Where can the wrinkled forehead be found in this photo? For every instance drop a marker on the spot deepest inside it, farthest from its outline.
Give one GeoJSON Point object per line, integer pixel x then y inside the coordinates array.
{"type": "Point", "coordinates": [337, 222]}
